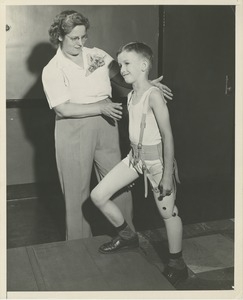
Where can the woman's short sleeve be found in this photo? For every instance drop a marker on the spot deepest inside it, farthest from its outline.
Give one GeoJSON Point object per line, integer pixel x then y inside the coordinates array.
{"type": "Point", "coordinates": [55, 86]}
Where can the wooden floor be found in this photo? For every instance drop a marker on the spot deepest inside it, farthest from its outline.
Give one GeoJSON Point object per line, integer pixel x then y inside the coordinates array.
{"type": "Point", "coordinates": [77, 266]}
{"type": "Point", "coordinates": [34, 230]}
{"type": "Point", "coordinates": [208, 250]}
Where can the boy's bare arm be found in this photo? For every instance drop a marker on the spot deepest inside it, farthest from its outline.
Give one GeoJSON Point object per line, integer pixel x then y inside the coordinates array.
{"type": "Point", "coordinates": [161, 113]}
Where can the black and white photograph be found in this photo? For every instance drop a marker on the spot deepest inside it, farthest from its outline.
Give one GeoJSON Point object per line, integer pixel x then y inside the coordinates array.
{"type": "Point", "coordinates": [122, 164]}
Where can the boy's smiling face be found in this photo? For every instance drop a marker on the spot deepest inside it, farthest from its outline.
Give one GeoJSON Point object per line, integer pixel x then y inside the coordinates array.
{"type": "Point", "coordinates": [131, 65]}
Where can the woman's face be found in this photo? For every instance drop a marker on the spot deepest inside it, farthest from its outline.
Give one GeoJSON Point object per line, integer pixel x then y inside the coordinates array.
{"type": "Point", "coordinates": [73, 42]}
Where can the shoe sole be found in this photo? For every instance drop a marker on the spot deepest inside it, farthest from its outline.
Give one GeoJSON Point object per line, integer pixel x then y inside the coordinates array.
{"type": "Point", "coordinates": [123, 249]}
{"type": "Point", "coordinates": [178, 280]}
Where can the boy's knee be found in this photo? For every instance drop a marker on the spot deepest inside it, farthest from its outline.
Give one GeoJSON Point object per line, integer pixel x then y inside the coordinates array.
{"type": "Point", "coordinates": [95, 197]}
{"type": "Point", "coordinates": [167, 213]}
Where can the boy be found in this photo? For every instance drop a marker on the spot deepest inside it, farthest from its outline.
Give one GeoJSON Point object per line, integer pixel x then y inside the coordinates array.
{"type": "Point", "coordinates": [152, 154]}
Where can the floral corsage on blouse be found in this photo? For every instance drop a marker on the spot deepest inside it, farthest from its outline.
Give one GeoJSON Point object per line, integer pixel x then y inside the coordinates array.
{"type": "Point", "coordinates": [95, 61]}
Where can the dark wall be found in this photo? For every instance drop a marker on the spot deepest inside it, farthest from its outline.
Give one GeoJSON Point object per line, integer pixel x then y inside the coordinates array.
{"type": "Point", "coordinates": [199, 52]}
{"type": "Point", "coordinates": [198, 55]}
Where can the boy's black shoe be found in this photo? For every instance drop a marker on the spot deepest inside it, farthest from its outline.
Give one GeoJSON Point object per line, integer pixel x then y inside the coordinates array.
{"type": "Point", "coordinates": [174, 275]}
{"type": "Point", "coordinates": [118, 243]}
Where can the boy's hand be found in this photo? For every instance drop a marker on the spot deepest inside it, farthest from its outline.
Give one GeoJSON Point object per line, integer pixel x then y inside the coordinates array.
{"type": "Point", "coordinates": [164, 89]}
{"type": "Point", "coordinates": [165, 187]}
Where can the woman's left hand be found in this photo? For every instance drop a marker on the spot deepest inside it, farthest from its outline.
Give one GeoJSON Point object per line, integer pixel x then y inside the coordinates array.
{"type": "Point", "coordinates": [164, 89]}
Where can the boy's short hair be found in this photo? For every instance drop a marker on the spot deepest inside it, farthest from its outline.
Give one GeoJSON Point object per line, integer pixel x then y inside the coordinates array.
{"type": "Point", "coordinates": [140, 48]}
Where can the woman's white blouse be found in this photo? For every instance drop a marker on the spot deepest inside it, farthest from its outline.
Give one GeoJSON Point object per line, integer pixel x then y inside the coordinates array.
{"type": "Point", "coordinates": [64, 80]}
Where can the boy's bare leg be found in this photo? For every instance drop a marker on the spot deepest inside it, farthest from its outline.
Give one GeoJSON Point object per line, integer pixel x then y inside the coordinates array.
{"type": "Point", "coordinates": [176, 270]}
{"type": "Point", "coordinates": [119, 177]}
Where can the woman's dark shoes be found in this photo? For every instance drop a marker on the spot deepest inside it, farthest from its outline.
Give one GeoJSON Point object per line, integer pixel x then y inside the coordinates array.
{"type": "Point", "coordinates": [118, 244]}
{"type": "Point", "coordinates": [174, 276]}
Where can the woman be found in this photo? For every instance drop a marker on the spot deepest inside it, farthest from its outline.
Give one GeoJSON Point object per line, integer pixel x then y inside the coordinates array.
{"type": "Point", "coordinates": [77, 86]}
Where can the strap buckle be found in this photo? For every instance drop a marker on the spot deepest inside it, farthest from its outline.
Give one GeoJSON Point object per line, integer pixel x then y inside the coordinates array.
{"type": "Point", "coordinates": [144, 167]}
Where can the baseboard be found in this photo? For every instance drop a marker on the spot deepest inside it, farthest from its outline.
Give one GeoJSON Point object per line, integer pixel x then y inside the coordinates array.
{"type": "Point", "coordinates": [32, 190]}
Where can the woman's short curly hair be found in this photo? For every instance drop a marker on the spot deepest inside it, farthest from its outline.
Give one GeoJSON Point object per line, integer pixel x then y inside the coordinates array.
{"type": "Point", "coordinates": [64, 24]}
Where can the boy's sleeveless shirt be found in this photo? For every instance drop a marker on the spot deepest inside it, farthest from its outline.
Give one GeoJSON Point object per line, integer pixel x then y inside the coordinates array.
{"type": "Point", "coordinates": [151, 134]}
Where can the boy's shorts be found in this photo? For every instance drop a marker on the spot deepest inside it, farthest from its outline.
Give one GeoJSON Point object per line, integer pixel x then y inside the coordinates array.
{"type": "Point", "coordinates": [155, 168]}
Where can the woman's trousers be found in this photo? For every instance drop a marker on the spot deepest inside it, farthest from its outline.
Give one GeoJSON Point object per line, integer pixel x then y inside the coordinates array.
{"type": "Point", "coordinates": [80, 144]}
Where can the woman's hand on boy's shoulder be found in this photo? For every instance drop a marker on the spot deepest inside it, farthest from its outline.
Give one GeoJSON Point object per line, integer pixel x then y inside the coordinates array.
{"type": "Point", "coordinates": [167, 93]}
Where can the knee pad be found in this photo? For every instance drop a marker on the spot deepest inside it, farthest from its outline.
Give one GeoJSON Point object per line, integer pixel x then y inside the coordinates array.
{"type": "Point", "coordinates": [167, 212]}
